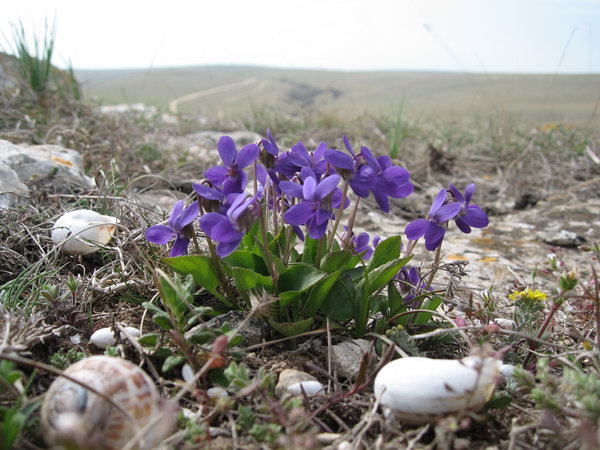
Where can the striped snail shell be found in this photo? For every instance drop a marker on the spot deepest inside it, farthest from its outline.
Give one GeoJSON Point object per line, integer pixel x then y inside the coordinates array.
{"type": "Point", "coordinates": [76, 418]}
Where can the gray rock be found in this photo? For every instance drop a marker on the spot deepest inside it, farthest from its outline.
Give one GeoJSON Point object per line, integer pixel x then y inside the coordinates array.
{"type": "Point", "coordinates": [347, 357]}
{"type": "Point", "coordinates": [290, 377]}
{"type": "Point", "coordinates": [64, 167]}
{"type": "Point", "coordinates": [12, 190]}
{"type": "Point", "coordinates": [254, 331]}
{"type": "Point", "coordinates": [561, 238]}
{"type": "Point", "coordinates": [159, 200]}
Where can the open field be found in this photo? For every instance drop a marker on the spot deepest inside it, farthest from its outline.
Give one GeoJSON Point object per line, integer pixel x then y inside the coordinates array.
{"type": "Point", "coordinates": [530, 99]}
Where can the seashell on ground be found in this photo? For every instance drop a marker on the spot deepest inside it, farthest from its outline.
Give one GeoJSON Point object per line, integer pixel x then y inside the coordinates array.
{"type": "Point", "coordinates": [421, 390]}
{"type": "Point", "coordinates": [105, 337]}
{"type": "Point", "coordinates": [76, 418]}
{"type": "Point", "coordinates": [309, 387]}
{"type": "Point", "coordinates": [78, 232]}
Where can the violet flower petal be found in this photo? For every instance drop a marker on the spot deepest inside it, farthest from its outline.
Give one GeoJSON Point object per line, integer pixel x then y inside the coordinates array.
{"type": "Point", "coordinates": [325, 187]}
{"type": "Point", "coordinates": [439, 200]}
{"type": "Point", "coordinates": [247, 156]}
{"type": "Point", "coordinates": [308, 189]}
{"type": "Point", "coordinates": [217, 174]}
{"type": "Point", "coordinates": [188, 215]}
{"type": "Point", "coordinates": [475, 217]}
{"type": "Point", "coordinates": [462, 225]}
{"type": "Point", "coordinates": [291, 189]}
{"type": "Point", "coordinates": [339, 159]}
{"type": "Point", "coordinates": [446, 212]}
{"type": "Point", "coordinates": [370, 159]}
{"type": "Point", "coordinates": [227, 150]}
{"type": "Point", "coordinates": [469, 191]}
{"type": "Point", "coordinates": [315, 230]}
{"type": "Point", "coordinates": [225, 249]}
{"type": "Point", "coordinates": [456, 193]}
{"type": "Point", "coordinates": [416, 229]}
{"type": "Point", "coordinates": [175, 213]}
{"type": "Point", "coordinates": [434, 235]}
{"type": "Point", "coordinates": [207, 192]}
{"type": "Point", "coordinates": [226, 232]}
{"type": "Point", "coordinates": [209, 221]}
{"type": "Point", "coordinates": [160, 234]}
{"type": "Point", "coordinates": [300, 214]}
{"type": "Point", "coordinates": [180, 247]}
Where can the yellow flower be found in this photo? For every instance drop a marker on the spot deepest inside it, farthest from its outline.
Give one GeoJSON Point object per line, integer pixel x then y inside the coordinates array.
{"type": "Point", "coordinates": [536, 296]}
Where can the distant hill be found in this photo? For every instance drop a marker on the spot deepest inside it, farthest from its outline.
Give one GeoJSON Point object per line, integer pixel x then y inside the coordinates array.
{"type": "Point", "coordinates": [221, 90]}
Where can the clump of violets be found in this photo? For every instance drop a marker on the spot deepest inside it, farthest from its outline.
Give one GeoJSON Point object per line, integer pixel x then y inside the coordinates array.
{"type": "Point", "coordinates": [255, 206]}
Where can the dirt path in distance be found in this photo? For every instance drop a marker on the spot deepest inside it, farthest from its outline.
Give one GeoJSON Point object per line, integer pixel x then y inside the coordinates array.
{"type": "Point", "coordinates": [174, 104]}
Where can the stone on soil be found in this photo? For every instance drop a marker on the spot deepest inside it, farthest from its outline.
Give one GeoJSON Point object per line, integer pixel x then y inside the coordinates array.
{"type": "Point", "coordinates": [347, 356]}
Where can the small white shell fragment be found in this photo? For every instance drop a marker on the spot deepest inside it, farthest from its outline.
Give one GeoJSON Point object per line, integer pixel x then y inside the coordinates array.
{"type": "Point", "coordinates": [75, 339]}
{"type": "Point", "coordinates": [216, 392]}
{"type": "Point", "coordinates": [78, 231]}
{"type": "Point", "coordinates": [75, 417]}
{"type": "Point", "coordinates": [505, 323]}
{"type": "Point", "coordinates": [309, 387]}
{"type": "Point", "coordinates": [507, 370]}
{"type": "Point", "coordinates": [187, 373]}
{"type": "Point", "coordinates": [420, 390]}
{"type": "Point", "coordinates": [105, 337]}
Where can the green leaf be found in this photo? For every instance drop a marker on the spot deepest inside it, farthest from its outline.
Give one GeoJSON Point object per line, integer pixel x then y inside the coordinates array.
{"type": "Point", "coordinates": [201, 337]}
{"type": "Point", "coordinates": [297, 279]}
{"type": "Point", "coordinates": [339, 304]}
{"type": "Point", "coordinates": [498, 402]}
{"type": "Point", "coordinates": [387, 250]}
{"type": "Point", "coordinates": [201, 269]}
{"type": "Point", "coordinates": [395, 300]}
{"type": "Point", "coordinates": [171, 362]}
{"type": "Point", "coordinates": [278, 244]}
{"type": "Point", "coordinates": [148, 340]}
{"type": "Point", "coordinates": [163, 321]}
{"type": "Point", "coordinates": [310, 250]}
{"type": "Point", "coordinates": [343, 259]}
{"type": "Point", "coordinates": [383, 274]}
{"type": "Point", "coordinates": [422, 318]}
{"type": "Point", "coordinates": [172, 298]}
{"type": "Point", "coordinates": [247, 280]}
{"type": "Point", "coordinates": [249, 241]}
{"type": "Point", "coordinates": [247, 260]}
{"type": "Point", "coordinates": [318, 293]}
{"type": "Point", "coordinates": [292, 328]}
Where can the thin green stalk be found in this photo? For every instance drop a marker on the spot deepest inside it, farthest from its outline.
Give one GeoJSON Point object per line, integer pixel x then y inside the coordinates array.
{"type": "Point", "coordinates": [221, 274]}
{"type": "Point", "coordinates": [267, 254]}
{"type": "Point", "coordinates": [339, 216]}
{"type": "Point", "coordinates": [351, 221]}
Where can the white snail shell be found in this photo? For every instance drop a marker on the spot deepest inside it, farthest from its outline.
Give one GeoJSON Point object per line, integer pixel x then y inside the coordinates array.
{"type": "Point", "coordinates": [75, 417]}
{"type": "Point", "coordinates": [78, 231]}
{"type": "Point", "coordinates": [420, 390]}
{"type": "Point", "coordinates": [105, 337]}
{"type": "Point", "coordinates": [310, 388]}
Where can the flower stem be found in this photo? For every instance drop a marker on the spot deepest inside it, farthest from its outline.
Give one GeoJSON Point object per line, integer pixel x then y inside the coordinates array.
{"type": "Point", "coordinates": [267, 254]}
{"type": "Point", "coordinates": [532, 345]}
{"type": "Point", "coordinates": [339, 216]}
{"type": "Point", "coordinates": [221, 274]}
{"type": "Point", "coordinates": [351, 221]}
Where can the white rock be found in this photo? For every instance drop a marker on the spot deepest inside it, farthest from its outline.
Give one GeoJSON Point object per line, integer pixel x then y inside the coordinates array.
{"type": "Point", "coordinates": [309, 387]}
{"type": "Point", "coordinates": [347, 356]}
{"type": "Point", "coordinates": [104, 337]}
{"type": "Point", "coordinates": [289, 377]}
{"type": "Point", "coordinates": [216, 392]}
{"type": "Point", "coordinates": [422, 389]}
{"type": "Point", "coordinates": [78, 231]}
{"type": "Point", "coordinates": [75, 339]}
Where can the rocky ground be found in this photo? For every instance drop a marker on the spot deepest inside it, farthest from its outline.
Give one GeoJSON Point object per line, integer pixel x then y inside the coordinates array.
{"type": "Point", "coordinates": [539, 187]}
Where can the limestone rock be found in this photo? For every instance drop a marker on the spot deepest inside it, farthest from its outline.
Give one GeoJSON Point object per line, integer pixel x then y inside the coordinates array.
{"type": "Point", "coordinates": [347, 357]}
{"type": "Point", "coordinates": [12, 190]}
{"type": "Point", "coordinates": [561, 238]}
{"type": "Point", "coordinates": [62, 166]}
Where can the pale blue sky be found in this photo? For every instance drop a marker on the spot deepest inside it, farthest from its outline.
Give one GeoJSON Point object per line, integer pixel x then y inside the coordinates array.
{"type": "Point", "coordinates": [469, 35]}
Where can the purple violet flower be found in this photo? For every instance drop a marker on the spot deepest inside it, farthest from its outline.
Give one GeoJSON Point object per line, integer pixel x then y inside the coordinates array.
{"type": "Point", "coordinates": [360, 243]}
{"type": "Point", "coordinates": [434, 227]}
{"type": "Point", "coordinates": [469, 215]}
{"type": "Point", "coordinates": [298, 158]}
{"type": "Point", "coordinates": [312, 211]}
{"type": "Point", "coordinates": [231, 175]}
{"type": "Point", "coordinates": [229, 229]}
{"type": "Point", "coordinates": [377, 175]}
{"type": "Point", "coordinates": [180, 222]}
{"type": "Point", "coordinates": [410, 283]}
{"type": "Point", "coordinates": [211, 199]}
